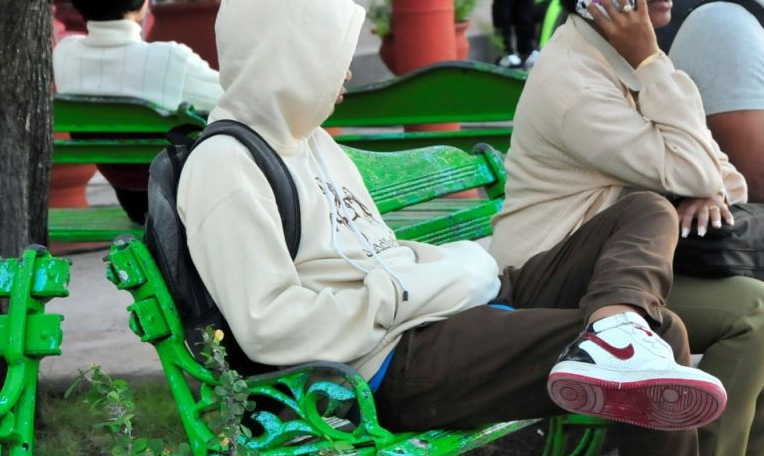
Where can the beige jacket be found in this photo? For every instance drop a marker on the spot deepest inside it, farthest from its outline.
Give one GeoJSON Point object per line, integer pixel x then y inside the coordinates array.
{"type": "Point", "coordinates": [353, 288]}
{"type": "Point", "coordinates": [590, 128]}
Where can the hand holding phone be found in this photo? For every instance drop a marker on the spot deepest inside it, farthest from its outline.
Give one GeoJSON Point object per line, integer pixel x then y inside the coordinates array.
{"type": "Point", "coordinates": [583, 5]}
{"type": "Point", "coordinates": [629, 30]}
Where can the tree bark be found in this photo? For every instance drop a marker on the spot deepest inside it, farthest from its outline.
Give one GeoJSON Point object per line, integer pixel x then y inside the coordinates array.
{"type": "Point", "coordinates": [25, 123]}
{"type": "Point", "coordinates": [26, 139]}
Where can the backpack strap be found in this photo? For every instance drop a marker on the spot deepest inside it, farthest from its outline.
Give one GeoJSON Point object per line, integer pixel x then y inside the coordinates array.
{"type": "Point", "coordinates": [275, 170]}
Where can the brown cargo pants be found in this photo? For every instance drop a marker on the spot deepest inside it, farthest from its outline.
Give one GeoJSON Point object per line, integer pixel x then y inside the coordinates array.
{"type": "Point", "coordinates": [487, 365]}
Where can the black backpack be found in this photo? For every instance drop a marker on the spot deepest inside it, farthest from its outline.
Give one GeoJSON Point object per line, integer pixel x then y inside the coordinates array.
{"type": "Point", "coordinates": [736, 250]}
{"type": "Point", "coordinates": [166, 236]}
{"type": "Point", "coordinates": [683, 8]}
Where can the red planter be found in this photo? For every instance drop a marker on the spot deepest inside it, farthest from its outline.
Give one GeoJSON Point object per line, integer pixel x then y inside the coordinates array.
{"type": "Point", "coordinates": [68, 185]}
{"type": "Point", "coordinates": [462, 43]}
{"type": "Point", "coordinates": [424, 33]}
{"type": "Point", "coordinates": [192, 24]}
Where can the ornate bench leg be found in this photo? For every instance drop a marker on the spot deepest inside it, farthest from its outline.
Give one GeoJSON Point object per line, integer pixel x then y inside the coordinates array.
{"type": "Point", "coordinates": [589, 444]}
{"type": "Point", "coordinates": [27, 335]}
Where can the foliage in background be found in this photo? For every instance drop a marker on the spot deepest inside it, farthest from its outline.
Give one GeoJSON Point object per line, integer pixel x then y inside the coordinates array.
{"type": "Point", "coordinates": [114, 405]}
{"type": "Point", "coordinates": [381, 12]}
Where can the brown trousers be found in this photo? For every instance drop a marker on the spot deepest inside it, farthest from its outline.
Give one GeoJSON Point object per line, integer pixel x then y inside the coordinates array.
{"type": "Point", "coordinates": [487, 365]}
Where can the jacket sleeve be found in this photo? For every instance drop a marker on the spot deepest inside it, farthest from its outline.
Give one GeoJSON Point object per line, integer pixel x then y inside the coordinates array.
{"type": "Point", "coordinates": [662, 144]}
{"type": "Point", "coordinates": [201, 86]}
{"type": "Point", "coordinates": [241, 255]}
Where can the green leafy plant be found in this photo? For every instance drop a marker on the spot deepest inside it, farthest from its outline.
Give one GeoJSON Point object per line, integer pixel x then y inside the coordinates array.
{"type": "Point", "coordinates": [381, 13]}
{"type": "Point", "coordinates": [232, 393]}
{"type": "Point", "coordinates": [113, 400]}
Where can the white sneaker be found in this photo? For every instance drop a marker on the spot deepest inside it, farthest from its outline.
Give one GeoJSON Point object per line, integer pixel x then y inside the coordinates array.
{"type": "Point", "coordinates": [620, 370]}
{"type": "Point", "coordinates": [511, 61]}
{"type": "Point", "coordinates": [531, 60]}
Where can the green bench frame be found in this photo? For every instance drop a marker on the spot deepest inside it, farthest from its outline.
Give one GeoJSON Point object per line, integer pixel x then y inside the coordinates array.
{"type": "Point", "coordinates": [403, 184]}
{"type": "Point", "coordinates": [155, 319]}
{"type": "Point", "coordinates": [448, 92]}
{"type": "Point", "coordinates": [27, 334]}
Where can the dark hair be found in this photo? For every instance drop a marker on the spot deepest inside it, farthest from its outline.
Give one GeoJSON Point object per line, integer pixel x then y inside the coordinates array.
{"type": "Point", "coordinates": [569, 5]}
{"type": "Point", "coordinates": [106, 10]}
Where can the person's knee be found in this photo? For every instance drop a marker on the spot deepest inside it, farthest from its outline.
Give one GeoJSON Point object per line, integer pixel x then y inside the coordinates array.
{"type": "Point", "coordinates": [653, 205]}
{"type": "Point", "coordinates": [748, 311]}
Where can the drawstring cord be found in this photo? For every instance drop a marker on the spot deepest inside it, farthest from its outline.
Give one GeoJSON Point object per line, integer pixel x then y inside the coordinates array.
{"type": "Point", "coordinates": [334, 204]}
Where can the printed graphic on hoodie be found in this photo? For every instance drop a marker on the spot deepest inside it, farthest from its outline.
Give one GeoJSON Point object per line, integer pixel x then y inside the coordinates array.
{"type": "Point", "coordinates": [352, 213]}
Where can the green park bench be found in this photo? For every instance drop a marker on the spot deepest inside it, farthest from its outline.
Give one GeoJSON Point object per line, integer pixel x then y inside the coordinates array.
{"type": "Point", "coordinates": [463, 92]}
{"type": "Point", "coordinates": [300, 390]}
{"type": "Point", "coordinates": [27, 334]}
{"type": "Point", "coordinates": [405, 185]}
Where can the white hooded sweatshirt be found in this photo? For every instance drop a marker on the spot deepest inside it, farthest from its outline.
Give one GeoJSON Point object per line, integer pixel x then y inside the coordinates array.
{"type": "Point", "coordinates": [353, 288]}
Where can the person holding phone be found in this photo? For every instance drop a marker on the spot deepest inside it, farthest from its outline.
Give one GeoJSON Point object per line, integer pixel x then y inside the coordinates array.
{"type": "Point", "coordinates": [604, 114]}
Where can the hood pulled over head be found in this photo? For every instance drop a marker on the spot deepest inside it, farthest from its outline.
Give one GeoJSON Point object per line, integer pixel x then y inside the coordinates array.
{"type": "Point", "coordinates": [283, 63]}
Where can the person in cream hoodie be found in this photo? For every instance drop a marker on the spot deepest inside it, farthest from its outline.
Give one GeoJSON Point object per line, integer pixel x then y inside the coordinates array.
{"type": "Point", "coordinates": [412, 318]}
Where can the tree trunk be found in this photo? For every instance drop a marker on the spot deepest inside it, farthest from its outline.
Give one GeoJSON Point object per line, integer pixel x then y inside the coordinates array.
{"type": "Point", "coordinates": [26, 142]}
{"type": "Point", "coordinates": [25, 123]}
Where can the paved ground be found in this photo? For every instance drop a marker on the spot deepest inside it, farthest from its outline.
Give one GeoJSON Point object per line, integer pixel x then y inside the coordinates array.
{"type": "Point", "coordinates": [95, 324]}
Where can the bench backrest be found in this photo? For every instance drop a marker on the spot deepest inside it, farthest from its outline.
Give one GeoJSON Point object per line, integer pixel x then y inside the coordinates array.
{"type": "Point", "coordinates": [445, 92]}
{"type": "Point", "coordinates": [118, 115]}
{"type": "Point", "coordinates": [401, 179]}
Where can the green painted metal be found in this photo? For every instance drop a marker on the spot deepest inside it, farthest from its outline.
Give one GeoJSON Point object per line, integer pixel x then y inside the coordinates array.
{"type": "Point", "coordinates": [27, 335]}
{"type": "Point", "coordinates": [589, 444]}
{"type": "Point", "coordinates": [313, 393]}
{"type": "Point", "coordinates": [106, 114]}
{"type": "Point", "coordinates": [445, 92]}
{"type": "Point", "coordinates": [399, 183]}
{"type": "Point", "coordinates": [552, 20]}
{"type": "Point", "coordinates": [99, 151]}
{"type": "Point", "coordinates": [401, 179]}
{"type": "Point", "coordinates": [498, 138]}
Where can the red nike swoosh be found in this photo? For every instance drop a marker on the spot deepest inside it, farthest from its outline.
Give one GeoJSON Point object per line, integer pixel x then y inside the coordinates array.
{"type": "Point", "coordinates": [620, 353]}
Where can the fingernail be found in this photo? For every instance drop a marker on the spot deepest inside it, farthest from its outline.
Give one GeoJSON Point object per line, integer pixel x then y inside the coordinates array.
{"type": "Point", "coordinates": [718, 224]}
{"type": "Point", "coordinates": [701, 231]}
{"type": "Point", "coordinates": [685, 232]}
{"type": "Point", "coordinates": [732, 220]}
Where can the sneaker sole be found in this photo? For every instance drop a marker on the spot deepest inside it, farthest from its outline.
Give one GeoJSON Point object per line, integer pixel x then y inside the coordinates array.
{"type": "Point", "coordinates": [666, 404]}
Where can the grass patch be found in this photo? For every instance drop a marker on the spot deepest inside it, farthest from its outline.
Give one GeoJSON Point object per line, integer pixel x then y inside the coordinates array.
{"type": "Point", "coordinates": [67, 427]}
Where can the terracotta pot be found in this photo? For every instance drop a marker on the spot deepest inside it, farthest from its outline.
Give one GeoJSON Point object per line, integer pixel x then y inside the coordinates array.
{"type": "Point", "coordinates": [387, 49]}
{"type": "Point", "coordinates": [192, 24]}
{"type": "Point", "coordinates": [68, 185]}
{"type": "Point", "coordinates": [462, 43]}
{"type": "Point", "coordinates": [424, 33]}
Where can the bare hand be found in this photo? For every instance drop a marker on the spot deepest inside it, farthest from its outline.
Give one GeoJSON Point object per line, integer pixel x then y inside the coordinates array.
{"type": "Point", "coordinates": [704, 210]}
{"type": "Point", "coordinates": [631, 33]}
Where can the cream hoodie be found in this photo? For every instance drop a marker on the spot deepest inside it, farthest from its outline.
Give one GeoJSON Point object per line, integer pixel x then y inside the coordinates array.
{"type": "Point", "coordinates": [353, 288]}
{"type": "Point", "coordinates": [588, 129]}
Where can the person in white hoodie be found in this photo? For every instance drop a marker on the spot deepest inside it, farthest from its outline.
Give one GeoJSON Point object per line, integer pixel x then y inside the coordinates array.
{"type": "Point", "coordinates": [414, 319]}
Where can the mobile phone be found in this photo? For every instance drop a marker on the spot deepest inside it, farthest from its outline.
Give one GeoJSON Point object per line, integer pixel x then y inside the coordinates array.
{"type": "Point", "coordinates": [581, 6]}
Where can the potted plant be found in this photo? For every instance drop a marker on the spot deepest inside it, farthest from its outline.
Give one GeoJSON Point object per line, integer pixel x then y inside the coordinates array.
{"type": "Point", "coordinates": [191, 22]}
{"type": "Point", "coordinates": [381, 16]}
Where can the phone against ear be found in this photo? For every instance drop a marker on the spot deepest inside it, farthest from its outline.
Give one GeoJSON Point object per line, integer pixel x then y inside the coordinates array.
{"type": "Point", "coordinates": [581, 6]}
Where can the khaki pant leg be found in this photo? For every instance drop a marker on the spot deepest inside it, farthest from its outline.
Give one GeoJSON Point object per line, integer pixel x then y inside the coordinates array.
{"type": "Point", "coordinates": [725, 321]}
